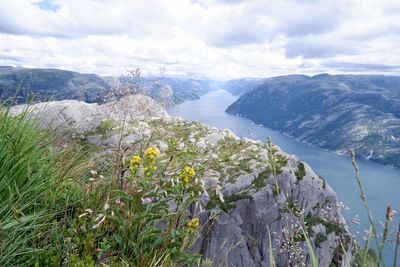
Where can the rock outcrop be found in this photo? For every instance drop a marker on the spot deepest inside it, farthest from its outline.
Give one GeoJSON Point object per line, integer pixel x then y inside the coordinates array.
{"type": "Point", "coordinates": [254, 215]}
{"type": "Point", "coordinates": [82, 117]}
{"type": "Point", "coordinates": [243, 210]}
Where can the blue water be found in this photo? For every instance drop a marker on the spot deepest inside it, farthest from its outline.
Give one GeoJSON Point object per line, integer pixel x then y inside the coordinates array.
{"type": "Point", "coordinates": [382, 184]}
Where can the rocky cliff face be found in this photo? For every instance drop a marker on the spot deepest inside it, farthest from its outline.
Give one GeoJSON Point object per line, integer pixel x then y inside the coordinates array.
{"type": "Point", "coordinates": [243, 209]}
{"type": "Point", "coordinates": [332, 112]}
{"type": "Point", "coordinates": [252, 211]}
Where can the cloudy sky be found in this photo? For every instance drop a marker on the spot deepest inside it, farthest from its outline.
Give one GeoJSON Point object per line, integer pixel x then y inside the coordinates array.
{"type": "Point", "coordinates": [219, 39]}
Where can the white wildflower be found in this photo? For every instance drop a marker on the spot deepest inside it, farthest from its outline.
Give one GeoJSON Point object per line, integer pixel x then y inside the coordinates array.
{"type": "Point", "coordinates": [99, 223]}
{"type": "Point", "coordinates": [99, 216]}
{"type": "Point", "coordinates": [83, 215]}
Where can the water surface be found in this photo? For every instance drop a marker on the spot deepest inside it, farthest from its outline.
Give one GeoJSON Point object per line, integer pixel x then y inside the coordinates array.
{"type": "Point", "coordinates": [382, 183]}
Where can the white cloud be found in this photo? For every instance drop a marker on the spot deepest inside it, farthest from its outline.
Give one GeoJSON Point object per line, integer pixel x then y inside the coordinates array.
{"type": "Point", "coordinates": [217, 38]}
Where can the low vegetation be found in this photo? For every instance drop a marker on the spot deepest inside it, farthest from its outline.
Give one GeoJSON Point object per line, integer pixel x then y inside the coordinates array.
{"type": "Point", "coordinates": [64, 202]}
{"type": "Point", "coordinates": [301, 172]}
{"type": "Point", "coordinates": [227, 202]}
{"type": "Point", "coordinates": [58, 209]}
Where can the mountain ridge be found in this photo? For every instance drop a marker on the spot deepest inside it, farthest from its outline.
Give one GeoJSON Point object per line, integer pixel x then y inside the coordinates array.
{"type": "Point", "coordinates": [332, 112]}
{"type": "Point", "coordinates": [36, 84]}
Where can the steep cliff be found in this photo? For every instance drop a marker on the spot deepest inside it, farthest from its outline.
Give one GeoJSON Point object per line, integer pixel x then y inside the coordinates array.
{"type": "Point", "coordinates": [256, 193]}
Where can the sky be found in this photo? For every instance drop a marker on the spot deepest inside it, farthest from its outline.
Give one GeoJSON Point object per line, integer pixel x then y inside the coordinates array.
{"type": "Point", "coordinates": [217, 39]}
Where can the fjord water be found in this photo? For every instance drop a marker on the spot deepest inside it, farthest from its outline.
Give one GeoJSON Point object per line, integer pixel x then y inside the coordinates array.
{"type": "Point", "coordinates": [382, 184]}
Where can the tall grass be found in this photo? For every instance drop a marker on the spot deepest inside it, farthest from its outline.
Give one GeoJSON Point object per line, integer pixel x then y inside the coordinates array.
{"type": "Point", "coordinates": [31, 173]}
{"type": "Point", "coordinates": [53, 214]}
{"type": "Point", "coordinates": [364, 256]}
{"type": "Point", "coordinates": [365, 203]}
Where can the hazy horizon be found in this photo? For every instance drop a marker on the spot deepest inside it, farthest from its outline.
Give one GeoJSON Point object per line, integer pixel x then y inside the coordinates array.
{"type": "Point", "coordinates": [217, 39]}
{"type": "Point", "coordinates": [199, 76]}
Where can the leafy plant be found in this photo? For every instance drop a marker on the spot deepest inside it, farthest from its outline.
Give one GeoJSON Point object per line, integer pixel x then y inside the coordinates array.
{"type": "Point", "coordinates": [141, 219]}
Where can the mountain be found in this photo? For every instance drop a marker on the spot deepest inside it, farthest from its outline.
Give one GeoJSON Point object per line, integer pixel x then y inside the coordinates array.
{"type": "Point", "coordinates": [43, 84]}
{"type": "Point", "coordinates": [241, 86]}
{"type": "Point", "coordinates": [254, 212]}
{"type": "Point", "coordinates": [334, 112]}
{"type": "Point", "coordinates": [173, 90]}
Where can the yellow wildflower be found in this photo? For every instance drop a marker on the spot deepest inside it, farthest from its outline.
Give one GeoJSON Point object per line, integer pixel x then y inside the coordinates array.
{"type": "Point", "coordinates": [148, 169]}
{"type": "Point", "coordinates": [151, 153]}
{"type": "Point", "coordinates": [187, 173]}
{"type": "Point", "coordinates": [136, 160]}
{"type": "Point", "coordinates": [193, 224]}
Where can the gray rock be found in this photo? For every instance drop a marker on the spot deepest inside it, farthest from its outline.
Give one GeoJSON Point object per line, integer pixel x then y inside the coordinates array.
{"type": "Point", "coordinates": [214, 138]}
{"type": "Point", "coordinates": [82, 117]}
{"type": "Point", "coordinates": [239, 237]}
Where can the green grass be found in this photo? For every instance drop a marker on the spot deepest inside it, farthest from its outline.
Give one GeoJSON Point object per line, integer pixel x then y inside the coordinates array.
{"type": "Point", "coordinates": [329, 226]}
{"type": "Point", "coordinates": [310, 250]}
{"type": "Point", "coordinates": [54, 211]}
{"type": "Point", "coordinates": [260, 181]}
{"type": "Point", "coordinates": [229, 201]}
{"type": "Point", "coordinates": [31, 173]}
{"type": "Point", "coordinates": [320, 238]}
{"type": "Point", "coordinates": [301, 172]}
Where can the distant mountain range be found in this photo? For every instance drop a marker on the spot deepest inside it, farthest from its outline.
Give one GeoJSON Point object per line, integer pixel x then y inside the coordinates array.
{"type": "Point", "coordinates": [37, 85]}
{"type": "Point", "coordinates": [173, 89]}
{"type": "Point", "coordinates": [240, 86]}
{"type": "Point", "coordinates": [335, 112]}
